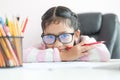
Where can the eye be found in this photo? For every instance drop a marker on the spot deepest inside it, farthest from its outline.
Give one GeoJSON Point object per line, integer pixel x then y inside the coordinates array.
{"type": "Point", "coordinates": [49, 39]}
{"type": "Point", "coordinates": [64, 36]}
{"type": "Point", "coordinates": [50, 36]}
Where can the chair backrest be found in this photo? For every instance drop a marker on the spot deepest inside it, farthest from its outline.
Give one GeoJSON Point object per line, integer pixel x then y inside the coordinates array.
{"type": "Point", "coordinates": [103, 27]}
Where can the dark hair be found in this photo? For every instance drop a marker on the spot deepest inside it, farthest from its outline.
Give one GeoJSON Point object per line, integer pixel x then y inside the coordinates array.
{"type": "Point", "coordinates": [59, 14]}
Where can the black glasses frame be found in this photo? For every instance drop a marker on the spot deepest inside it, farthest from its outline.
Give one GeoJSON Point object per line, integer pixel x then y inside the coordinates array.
{"type": "Point", "coordinates": [57, 37]}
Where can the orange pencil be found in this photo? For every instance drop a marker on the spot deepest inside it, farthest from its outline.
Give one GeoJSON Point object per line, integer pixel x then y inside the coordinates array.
{"type": "Point", "coordinates": [4, 55]}
{"type": "Point", "coordinates": [2, 61]}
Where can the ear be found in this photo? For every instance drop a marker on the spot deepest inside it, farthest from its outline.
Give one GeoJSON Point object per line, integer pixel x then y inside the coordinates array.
{"type": "Point", "coordinates": [77, 35]}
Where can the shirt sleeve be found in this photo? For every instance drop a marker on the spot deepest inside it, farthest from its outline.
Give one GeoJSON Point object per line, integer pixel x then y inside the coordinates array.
{"type": "Point", "coordinates": [37, 55]}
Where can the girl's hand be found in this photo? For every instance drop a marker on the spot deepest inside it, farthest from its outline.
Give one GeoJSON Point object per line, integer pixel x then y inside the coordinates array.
{"type": "Point", "coordinates": [75, 52]}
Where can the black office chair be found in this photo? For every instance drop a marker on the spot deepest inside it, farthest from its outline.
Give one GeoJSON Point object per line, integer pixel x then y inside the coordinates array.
{"type": "Point", "coordinates": [103, 27]}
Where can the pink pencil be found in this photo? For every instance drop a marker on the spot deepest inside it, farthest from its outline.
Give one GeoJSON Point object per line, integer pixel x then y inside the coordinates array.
{"type": "Point", "coordinates": [88, 44]}
{"type": "Point", "coordinates": [23, 29]}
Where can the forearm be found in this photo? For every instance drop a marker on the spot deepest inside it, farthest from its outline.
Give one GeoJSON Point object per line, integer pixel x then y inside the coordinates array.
{"type": "Point", "coordinates": [99, 53]}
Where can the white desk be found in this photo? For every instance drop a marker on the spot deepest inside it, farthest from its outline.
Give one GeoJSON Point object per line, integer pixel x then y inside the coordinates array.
{"type": "Point", "coordinates": [64, 71]}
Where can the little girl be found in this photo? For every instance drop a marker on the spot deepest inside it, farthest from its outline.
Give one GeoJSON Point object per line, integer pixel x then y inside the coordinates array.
{"type": "Point", "coordinates": [62, 40]}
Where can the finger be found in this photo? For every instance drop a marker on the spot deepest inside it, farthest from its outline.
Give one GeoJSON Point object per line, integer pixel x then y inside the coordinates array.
{"type": "Point", "coordinates": [86, 48]}
{"type": "Point", "coordinates": [84, 54]}
{"type": "Point", "coordinates": [81, 43]}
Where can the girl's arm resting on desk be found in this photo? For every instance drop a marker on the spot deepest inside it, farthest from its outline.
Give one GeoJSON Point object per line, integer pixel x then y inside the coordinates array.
{"type": "Point", "coordinates": [98, 53]}
{"type": "Point", "coordinates": [37, 55]}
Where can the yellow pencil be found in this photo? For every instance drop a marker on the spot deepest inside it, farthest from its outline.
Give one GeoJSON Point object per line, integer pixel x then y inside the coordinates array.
{"type": "Point", "coordinates": [13, 26]}
{"type": "Point", "coordinates": [17, 40]}
{"type": "Point", "coordinates": [17, 27]}
{"type": "Point", "coordinates": [16, 34]}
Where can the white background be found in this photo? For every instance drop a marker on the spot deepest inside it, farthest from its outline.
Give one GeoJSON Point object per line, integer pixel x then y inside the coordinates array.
{"type": "Point", "coordinates": [34, 9]}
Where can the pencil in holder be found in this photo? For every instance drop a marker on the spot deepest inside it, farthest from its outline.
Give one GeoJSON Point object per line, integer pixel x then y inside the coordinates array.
{"type": "Point", "coordinates": [11, 51]}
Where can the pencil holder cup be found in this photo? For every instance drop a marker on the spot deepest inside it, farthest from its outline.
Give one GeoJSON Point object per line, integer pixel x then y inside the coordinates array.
{"type": "Point", "coordinates": [11, 51]}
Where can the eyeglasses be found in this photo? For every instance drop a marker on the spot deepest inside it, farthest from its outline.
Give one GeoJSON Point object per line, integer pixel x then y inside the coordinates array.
{"type": "Point", "coordinates": [64, 38]}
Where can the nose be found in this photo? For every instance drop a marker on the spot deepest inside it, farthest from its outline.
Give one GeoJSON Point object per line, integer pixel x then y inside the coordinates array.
{"type": "Point", "coordinates": [57, 44]}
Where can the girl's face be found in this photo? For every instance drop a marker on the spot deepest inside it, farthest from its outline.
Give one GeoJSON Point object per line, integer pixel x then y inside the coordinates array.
{"type": "Point", "coordinates": [60, 29]}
